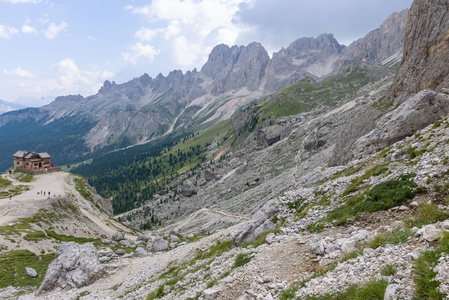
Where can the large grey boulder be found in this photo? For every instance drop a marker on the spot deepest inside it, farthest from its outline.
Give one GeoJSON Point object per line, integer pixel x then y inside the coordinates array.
{"type": "Point", "coordinates": [158, 245]}
{"type": "Point", "coordinates": [258, 224]}
{"type": "Point", "coordinates": [188, 189]}
{"type": "Point", "coordinates": [75, 266]}
{"type": "Point", "coordinates": [118, 236]}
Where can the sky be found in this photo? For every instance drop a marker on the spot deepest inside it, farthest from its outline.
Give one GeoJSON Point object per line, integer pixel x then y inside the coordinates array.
{"type": "Point", "coordinates": [62, 47]}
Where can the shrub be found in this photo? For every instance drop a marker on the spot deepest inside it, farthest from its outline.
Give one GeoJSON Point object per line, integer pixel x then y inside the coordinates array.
{"type": "Point", "coordinates": [242, 259]}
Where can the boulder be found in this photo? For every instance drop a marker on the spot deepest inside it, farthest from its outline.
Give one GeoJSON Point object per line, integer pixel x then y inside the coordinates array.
{"type": "Point", "coordinates": [140, 252]}
{"type": "Point", "coordinates": [118, 236]}
{"type": "Point", "coordinates": [317, 247]}
{"type": "Point", "coordinates": [211, 294]}
{"type": "Point", "coordinates": [270, 238]}
{"type": "Point", "coordinates": [430, 233]}
{"type": "Point", "coordinates": [126, 243]}
{"type": "Point", "coordinates": [31, 272]}
{"type": "Point", "coordinates": [208, 175]}
{"type": "Point", "coordinates": [143, 238]}
{"type": "Point", "coordinates": [159, 244]}
{"type": "Point", "coordinates": [188, 189]}
{"type": "Point", "coordinates": [258, 224]}
{"type": "Point", "coordinates": [74, 266]}
{"type": "Point", "coordinates": [120, 252]}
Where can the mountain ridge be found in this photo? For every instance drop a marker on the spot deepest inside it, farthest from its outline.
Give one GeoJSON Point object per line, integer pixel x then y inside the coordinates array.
{"type": "Point", "coordinates": [233, 77]}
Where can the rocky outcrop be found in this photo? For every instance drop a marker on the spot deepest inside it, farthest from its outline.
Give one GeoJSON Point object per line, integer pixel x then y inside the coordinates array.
{"type": "Point", "coordinates": [258, 224]}
{"type": "Point", "coordinates": [74, 266]}
{"type": "Point", "coordinates": [416, 113]}
{"type": "Point", "coordinates": [426, 48]}
{"type": "Point", "coordinates": [188, 189]}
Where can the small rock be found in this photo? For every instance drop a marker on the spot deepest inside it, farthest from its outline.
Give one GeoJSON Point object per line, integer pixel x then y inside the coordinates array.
{"type": "Point", "coordinates": [270, 238]}
{"type": "Point", "coordinates": [120, 252]}
{"type": "Point", "coordinates": [390, 292]}
{"type": "Point", "coordinates": [317, 248]}
{"type": "Point", "coordinates": [211, 294]}
{"type": "Point", "coordinates": [31, 272]}
{"type": "Point", "coordinates": [118, 236]}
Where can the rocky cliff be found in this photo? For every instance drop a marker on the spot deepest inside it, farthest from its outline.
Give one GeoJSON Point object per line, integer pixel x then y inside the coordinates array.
{"type": "Point", "coordinates": [424, 64]}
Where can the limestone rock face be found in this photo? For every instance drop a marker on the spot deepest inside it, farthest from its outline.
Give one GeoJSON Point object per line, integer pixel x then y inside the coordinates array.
{"type": "Point", "coordinates": [426, 49]}
{"type": "Point", "coordinates": [379, 45]}
{"type": "Point", "coordinates": [235, 67]}
{"type": "Point", "coordinates": [74, 266]}
{"type": "Point", "coordinates": [417, 112]}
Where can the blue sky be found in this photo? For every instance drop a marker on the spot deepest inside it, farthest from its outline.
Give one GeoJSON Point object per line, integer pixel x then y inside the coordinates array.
{"type": "Point", "coordinates": [60, 47]}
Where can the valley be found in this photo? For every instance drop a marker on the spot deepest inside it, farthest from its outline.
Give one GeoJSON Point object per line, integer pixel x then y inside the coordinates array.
{"type": "Point", "coordinates": [318, 173]}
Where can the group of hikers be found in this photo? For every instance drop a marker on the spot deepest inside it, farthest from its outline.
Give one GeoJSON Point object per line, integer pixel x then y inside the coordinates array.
{"type": "Point", "coordinates": [41, 193]}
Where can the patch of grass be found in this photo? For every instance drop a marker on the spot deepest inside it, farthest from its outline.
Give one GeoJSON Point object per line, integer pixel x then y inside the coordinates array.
{"type": "Point", "coordinates": [159, 293]}
{"type": "Point", "coordinates": [427, 214]}
{"type": "Point", "coordinates": [388, 270]}
{"type": "Point", "coordinates": [426, 287]}
{"type": "Point", "coordinates": [23, 177]}
{"type": "Point", "coordinates": [413, 153]}
{"type": "Point", "coordinates": [68, 238]}
{"type": "Point", "coordinates": [242, 259]}
{"type": "Point", "coordinates": [216, 250]}
{"type": "Point", "coordinates": [383, 196]}
{"type": "Point", "coordinates": [355, 183]}
{"type": "Point", "coordinates": [35, 236]}
{"type": "Point", "coordinates": [350, 255]}
{"type": "Point", "coordinates": [397, 236]}
{"type": "Point", "coordinates": [374, 289]}
{"type": "Point", "coordinates": [12, 266]}
{"type": "Point", "coordinates": [4, 183]}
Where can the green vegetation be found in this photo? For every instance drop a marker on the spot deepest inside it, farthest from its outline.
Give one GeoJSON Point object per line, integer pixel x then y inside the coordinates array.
{"type": "Point", "coordinates": [427, 214]}
{"type": "Point", "coordinates": [355, 183]}
{"type": "Point", "coordinates": [382, 104]}
{"type": "Point", "coordinates": [426, 287]}
{"type": "Point", "coordinates": [12, 266]}
{"type": "Point", "coordinates": [397, 236]}
{"type": "Point", "coordinates": [68, 238]}
{"type": "Point", "coordinates": [388, 270]}
{"type": "Point", "coordinates": [374, 289]}
{"type": "Point", "coordinates": [307, 94]}
{"type": "Point", "coordinates": [35, 236]}
{"type": "Point", "coordinates": [242, 259]}
{"type": "Point", "coordinates": [23, 177]}
{"type": "Point", "coordinates": [413, 153]}
{"type": "Point", "coordinates": [380, 197]}
{"type": "Point", "coordinates": [4, 183]}
{"type": "Point", "coordinates": [62, 138]}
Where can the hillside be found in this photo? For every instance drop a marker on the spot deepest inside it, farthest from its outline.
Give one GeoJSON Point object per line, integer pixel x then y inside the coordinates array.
{"type": "Point", "coordinates": [334, 188]}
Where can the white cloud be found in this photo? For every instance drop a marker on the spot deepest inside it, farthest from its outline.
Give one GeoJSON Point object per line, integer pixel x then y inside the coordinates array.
{"type": "Point", "coordinates": [19, 72]}
{"type": "Point", "coordinates": [75, 80]}
{"type": "Point", "coordinates": [53, 30]}
{"type": "Point", "coordinates": [7, 31]}
{"type": "Point", "coordinates": [22, 1]}
{"type": "Point", "coordinates": [139, 51]}
{"type": "Point", "coordinates": [146, 34]}
{"type": "Point", "coordinates": [28, 29]}
{"type": "Point", "coordinates": [191, 26]}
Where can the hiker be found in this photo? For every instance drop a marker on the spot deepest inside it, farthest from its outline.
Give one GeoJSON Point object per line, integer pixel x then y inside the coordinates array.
{"type": "Point", "coordinates": [10, 196]}
{"type": "Point", "coordinates": [48, 193]}
{"type": "Point", "coordinates": [44, 193]}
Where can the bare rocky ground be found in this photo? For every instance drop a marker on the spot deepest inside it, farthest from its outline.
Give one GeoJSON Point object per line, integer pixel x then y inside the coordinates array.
{"type": "Point", "coordinates": [293, 259]}
{"type": "Point", "coordinates": [65, 212]}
